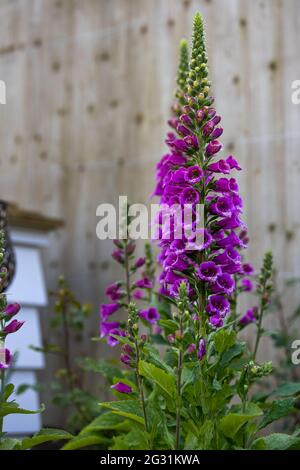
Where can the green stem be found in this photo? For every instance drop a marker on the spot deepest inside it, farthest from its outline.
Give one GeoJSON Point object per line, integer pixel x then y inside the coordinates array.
{"type": "Point", "coordinates": [140, 385]}
{"type": "Point", "coordinates": [179, 372]}
{"type": "Point", "coordinates": [259, 331]}
{"type": "Point", "coordinates": [2, 386]}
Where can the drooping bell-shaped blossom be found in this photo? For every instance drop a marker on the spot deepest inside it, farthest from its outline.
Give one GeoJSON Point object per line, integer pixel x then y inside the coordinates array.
{"type": "Point", "coordinates": [113, 291]}
{"type": "Point", "coordinates": [106, 310]}
{"type": "Point", "coordinates": [248, 317]}
{"type": "Point", "coordinates": [209, 271]}
{"type": "Point", "coordinates": [247, 285]}
{"type": "Point", "coordinates": [201, 349]}
{"type": "Point", "coordinates": [13, 326]}
{"type": "Point", "coordinates": [12, 309]}
{"type": "Point", "coordinates": [122, 388]}
{"type": "Point", "coordinates": [6, 358]}
{"type": "Point", "coordinates": [150, 315]}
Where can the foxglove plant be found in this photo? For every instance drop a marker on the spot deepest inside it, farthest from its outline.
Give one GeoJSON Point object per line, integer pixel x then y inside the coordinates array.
{"type": "Point", "coordinates": [181, 395]}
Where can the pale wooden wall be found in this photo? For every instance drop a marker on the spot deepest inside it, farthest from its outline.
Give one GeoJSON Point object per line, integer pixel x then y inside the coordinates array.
{"type": "Point", "coordinates": [89, 85]}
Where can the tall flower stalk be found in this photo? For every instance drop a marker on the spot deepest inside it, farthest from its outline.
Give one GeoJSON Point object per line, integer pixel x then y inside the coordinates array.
{"type": "Point", "coordinates": [189, 175]}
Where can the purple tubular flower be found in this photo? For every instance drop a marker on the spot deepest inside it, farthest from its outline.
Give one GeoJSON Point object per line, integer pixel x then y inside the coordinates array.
{"type": "Point", "coordinates": [185, 119]}
{"type": "Point", "coordinates": [108, 309]}
{"type": "Point", "coordinates": [175, 262]}
{"type": "Point", "coordinates": [125, 359]}
{"type": "Point", "coordinates": [121, 387]}
{"type": "Point", "coordinates": [224, 284]}
{"type": "Point", "coordinates": [13, 326]}
{"type": "Point", "coordinates": [208, 128]}
{"type": "Point", "coordinates": [213, 147]}
{"type": "Point", "coordinates": [220, 166]}
{"type": "Point", "coordinates": [224, 185]}
{"type": "Point", "coordinates": [247, 285]}
{"type": "Point", "coordinates": [223, 207]}
{"type": "Point", "coordinates": [230, 222]}
{"type": "Point", "coordinates": [139, 262]}
{"type": "Point", "coordinates": [144, 283]}
{"type": "Point", "coordinates": [180, 144]}
{"type": "Point", "coordinates": [118, 256]}
{"type": "Point", "coordinates": [111, 340]}
{"type": "Point", "coordinates": [179, 175]}
{"type": "Point", "coordinates": [113, 291]}
{"type": "Point", "coordinates": [216, 321]}
{"type": "Point", "coordinates": [217, 304]}
{"type": "Point", "coordinates": [200, 115]}
{"type": "Point", "coordinates": [191, 348]}
{"type": "Point", "coordinates": [107, 327]}
{"type": "Point", "coordinates": [216, 133]}
{"type": "Point", "coordinates": [209, 271]}
{"type": "Point", "coordinates": [248, 269]}
{"type": "Point", "coordinates": [138, 295]}
{"type": "Point", "coordinates": [233, 163]}
{"type": "Point", "coordinates": [201, 349]}
{"type": "Point", "coordinates": [189, 196]}
{"type": "Point", "coordinates": [6, 358]}
{"type": "Point", "coordinates": [12, 309]}
{"type": "Point", "coordinates": [173, 123]}
{"type": "Point", "coordinates": [230, 255]}
{"type": "Point", "coordinates": [249, 317]}
{"type": "Point", "coordinates": [194, 174]}
{"type": "Point", "coordinates": [183, 130]}
{"type": "Point", "coordinates": [151, 315]}
{"type": "Point", "coordinates": [191, 141]}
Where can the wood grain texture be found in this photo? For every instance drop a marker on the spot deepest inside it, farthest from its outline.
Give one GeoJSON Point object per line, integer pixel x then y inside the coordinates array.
{"type": "Point", "coordinates": [89, 85]}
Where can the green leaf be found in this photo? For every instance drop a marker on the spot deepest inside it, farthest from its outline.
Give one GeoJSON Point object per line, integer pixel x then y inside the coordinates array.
{"type": "Point", "coordinates": [86, 441]}
{"type": "Point", "coordinates": [8, 391]}
{"type": "Point", "coordinates": [45, 435]}
{"type": "Point", "coordinates": [136, 439]}
{"type": "Point", "coordinates": [165, 381]}
{"type": "Point", "coordinates": [278, 409]}
{"type": "Point", "coordinates": [232, 423]}
{"type": "Point", "coordinates": [105, 421]}
{"type": "Point", "coordinates": [128, 408]}
{"type": "Point", "coordinates": [170, 326]}
{"type": "Point", "coordinates": [8, 443]}
{"type": "Point", "coordinates": [223, 340]}
{"type": "Point", "coordinates": [233, 352]}
{"type": "Point", "coordinates": [13, 408]}
{"type": "Point", "coordinates": [286, 389]}
{"type": "Point", "coordinates": [154, 357]}
{"type": "Point", "coordinates": [277, 441]}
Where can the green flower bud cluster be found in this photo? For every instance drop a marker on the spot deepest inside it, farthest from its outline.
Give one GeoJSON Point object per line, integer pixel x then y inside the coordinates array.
{"type": "Point", "coordinates": [265, 280]}
{"type": "Point", "coordinates": [259, 370]}
{"type": "Point", "coordinates": [183, 67]}
{"type": "Point", "coordinates": [133, 319]}
{"type": "Point", "coordinates": [198, 84]}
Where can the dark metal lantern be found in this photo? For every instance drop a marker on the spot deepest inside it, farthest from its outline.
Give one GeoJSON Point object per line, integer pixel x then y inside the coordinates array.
{"type": "Point", "coordinates": [9, 260]}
